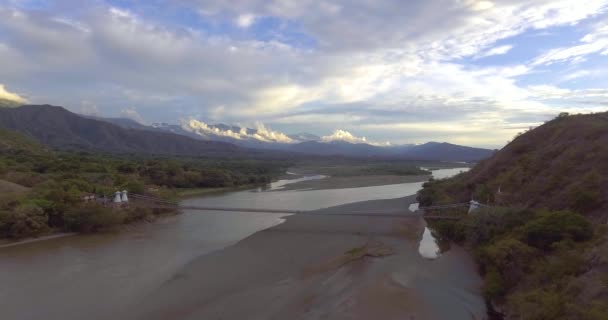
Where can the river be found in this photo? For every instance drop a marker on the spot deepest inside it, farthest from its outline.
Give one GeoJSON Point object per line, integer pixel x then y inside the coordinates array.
{"type": "Point", "coordinates": [92, 276]}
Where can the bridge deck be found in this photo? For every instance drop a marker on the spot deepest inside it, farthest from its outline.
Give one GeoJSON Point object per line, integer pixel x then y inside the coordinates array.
{"type": "Point", "coordinates": [161, 203]}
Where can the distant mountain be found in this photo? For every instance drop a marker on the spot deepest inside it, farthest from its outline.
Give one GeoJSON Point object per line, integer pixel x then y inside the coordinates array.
{"type": "Point", "coordinates": [304, 137]}
{"type": "Point", "coordinates": [308, 143]}
{"type": "Point", "coordinates": [125, 123]}
{"type": "Point", "coordinates": [429, 151]}
{"type": "Point", "coordinates": [59, 128]}
{"type": "Point", "coordinates": [445, 152]}
{"type": "Point", "coordinates": [338, 148]}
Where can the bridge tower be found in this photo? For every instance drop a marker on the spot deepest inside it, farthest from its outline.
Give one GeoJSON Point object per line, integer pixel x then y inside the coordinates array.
{"type": "Point", "coordinates": [473, 205]}
{"type": "Point", "coordinates": [117, 197]}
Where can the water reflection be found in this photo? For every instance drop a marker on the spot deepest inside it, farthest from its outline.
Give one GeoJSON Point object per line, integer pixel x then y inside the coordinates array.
{"type": "Point", "coordinates": [428, 247]}
{"type": "Point", "coordinates": [278, 185]}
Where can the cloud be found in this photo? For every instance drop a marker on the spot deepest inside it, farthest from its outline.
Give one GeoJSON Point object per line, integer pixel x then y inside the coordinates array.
{"type": "Point", "coordinates": [89, 108]}
{"type": "Point", "coordinates": [245, 20]}
{"type": "Point", "coordinates": [310, 63]}
{"type": "Point", "coordinates": [593, 42]}
{"type": "Point", "coordinates": [132, 114]}
{"type": "Point", "coordinates": [5, 94]}
{"type": "Point", "coordinates": [500, 50]}
{"type": "Point", "coordinates": [343, 135]}
{"type": "Point", "coordinates": [261, 132]}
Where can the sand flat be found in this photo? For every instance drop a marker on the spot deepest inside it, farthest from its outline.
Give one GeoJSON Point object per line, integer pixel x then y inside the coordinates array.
{"type": "Point", "coordinates": [325, 267]}
{"type": "Point", "coordinates": [353, 182]}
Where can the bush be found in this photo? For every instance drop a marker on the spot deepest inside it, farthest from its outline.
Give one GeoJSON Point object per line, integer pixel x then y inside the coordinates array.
{"type": "Point", "coordinates": [551, 227]}
{"type": "Point", "coordinates": [493, 284]}
{"type": "Point", "coordinates": [93, 218]}
{"type": "Point", "coordinates": [488, 223]}
{"type": "Point", "coordinates": [539, 304]}
{"type": "Point", "coordinates": [449, 230]}
{"type": "Point", "coordinates": [24, 221]}
{"type": "Point", "coordinates": [508, 256]}
{"type": "Point", "coordinates": [138, 214]}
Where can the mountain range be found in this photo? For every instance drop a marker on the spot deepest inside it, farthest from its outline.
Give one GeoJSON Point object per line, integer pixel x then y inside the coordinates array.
{"type": "Point", "coordinates": [60, 128]}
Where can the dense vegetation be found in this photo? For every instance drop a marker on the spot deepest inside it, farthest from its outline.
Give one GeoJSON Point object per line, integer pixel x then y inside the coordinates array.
{"type": "Point", "coordinates": [537, 264]}
{"type": "Point", "coordinates": [561, 165]}
{"type": "Point", "coordinates": [542, 246]}
{"type": "Point", "coordinates": [59, 180]}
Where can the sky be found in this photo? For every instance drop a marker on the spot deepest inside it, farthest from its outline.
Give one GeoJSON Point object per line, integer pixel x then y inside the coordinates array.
{"type": "Point", "coordinates": [462, 71]}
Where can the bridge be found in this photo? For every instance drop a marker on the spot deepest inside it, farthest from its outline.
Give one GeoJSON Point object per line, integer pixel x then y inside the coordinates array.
{"type": "Point", "coordinates": [153, 202]}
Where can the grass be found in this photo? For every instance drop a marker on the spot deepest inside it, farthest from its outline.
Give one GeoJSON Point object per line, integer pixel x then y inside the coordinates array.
{"type": "Point", "coordinates": [10, 187]}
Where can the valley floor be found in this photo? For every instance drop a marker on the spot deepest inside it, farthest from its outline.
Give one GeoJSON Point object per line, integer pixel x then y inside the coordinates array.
{"type": "Point", "coordinates": [326, 267]}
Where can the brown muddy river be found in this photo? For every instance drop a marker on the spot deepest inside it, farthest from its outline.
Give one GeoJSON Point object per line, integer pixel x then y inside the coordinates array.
{"type": "Point", "coordinates": [97, 276]}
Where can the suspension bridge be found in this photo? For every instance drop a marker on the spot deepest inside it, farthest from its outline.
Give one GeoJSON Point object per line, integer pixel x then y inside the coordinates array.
{"type": "Point", "coordinates": [153, 202]}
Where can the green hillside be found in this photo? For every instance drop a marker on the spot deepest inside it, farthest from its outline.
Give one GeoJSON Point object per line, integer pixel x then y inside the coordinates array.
{"type": "Point", "coordinates": [59, 179]}
{"type": "Point", "coordinates": [542, 245]}
{"type": "Point", "coordinates": [562, 164]}
{"type": "Point", "coordinates": [11, 141]}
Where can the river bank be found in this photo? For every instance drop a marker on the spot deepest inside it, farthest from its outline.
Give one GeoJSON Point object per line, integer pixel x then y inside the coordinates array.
{"type": "Point", "coordinates": [334, 267]}
{"type": "Point", "coordinates": [105, 275]}
{"type": "Point", "coordinates": [354, 182]}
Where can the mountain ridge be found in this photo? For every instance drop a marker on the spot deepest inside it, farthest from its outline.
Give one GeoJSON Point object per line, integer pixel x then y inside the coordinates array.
{"type": "Point", "coordinates": [308, 143]}
{"type": "Point", "coordinates": [59, 128]}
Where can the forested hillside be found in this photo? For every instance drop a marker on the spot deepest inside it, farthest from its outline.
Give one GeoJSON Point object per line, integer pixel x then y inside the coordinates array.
{"type": "Point", "coordinates": [542, 243]}
{"type": "Point", "coordinates": [562, 164]}
{"type": "Point", "coordinates": [57, 181]}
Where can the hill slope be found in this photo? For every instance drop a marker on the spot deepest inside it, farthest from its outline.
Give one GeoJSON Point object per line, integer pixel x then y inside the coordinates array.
{"type": "Point", "coordinates": [541, 259]}
{"type": "Point", "coordinates": [446, 152]}
{"type": "Point", "coordinates": [562, 164]}
{"type": "Point", "coordinates": [59, 128]}
{"type": "Point", "coordinates": [306, 143]}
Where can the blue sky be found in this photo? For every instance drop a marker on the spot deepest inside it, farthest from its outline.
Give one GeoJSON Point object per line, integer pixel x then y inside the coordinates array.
{"type": "Point", "coordinates": [462, 71]}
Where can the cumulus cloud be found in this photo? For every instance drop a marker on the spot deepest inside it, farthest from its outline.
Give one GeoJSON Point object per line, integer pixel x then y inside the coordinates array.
{"type": "Point", "coordinates": [5, 94]}
{"type": "Point", "coordinates": [261, 132]}
{"type": "Point", "coordinates": [245, 20]}
{"type": "Point", "coordinates": [312, 53]}
{"type": "Point", "coordinates": [343, 135]}
{"type": "Point", "coordinates": [131, 113]}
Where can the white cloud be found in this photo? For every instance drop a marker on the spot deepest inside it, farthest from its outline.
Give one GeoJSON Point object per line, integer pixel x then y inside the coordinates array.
{"type": "Point", "coordinates": [393, 72]}
{"type": "Point", "coordinates": [343, 135]}
{"type": "Point", "coordinates": [5, 94]}
{"type": "Point", "coordinates": [594, 42]}
{"type": "Point", "coordinates": [245, 20]}
{"type": "Point", "coordinates": [262, 133]}
{"type": "Point", "coordinates": [500, 50]}
{"type": "Point", "coordinates": [132, 114]}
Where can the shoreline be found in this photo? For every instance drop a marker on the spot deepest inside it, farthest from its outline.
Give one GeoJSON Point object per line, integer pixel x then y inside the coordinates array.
{"type": "Point", "coordinates": [37, 239]}
{"type": "Point", "coordinates": [338, 267]}
{"type": "Point", "coordinates": [331, 182]}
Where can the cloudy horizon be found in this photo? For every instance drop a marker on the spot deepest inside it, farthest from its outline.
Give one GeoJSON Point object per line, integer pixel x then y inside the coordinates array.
{"type": "Point", "coordinates": [461, 71]}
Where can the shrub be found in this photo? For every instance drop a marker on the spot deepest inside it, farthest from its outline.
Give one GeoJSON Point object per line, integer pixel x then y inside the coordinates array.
{"type": "Point", "coordinates": [584, 199]}
{"type": "Point", "coordinates": [508, 256]}
{"type": "Point", "coordinates": [538, 304]}
{"type": "Point", "coordinates": [137, 214]}
{"type": "Point", "coordinates": [493, 285]}
{"type": "Point", "coordinates": [25, 220]}
{"type": "Point", "coordinates": [93, 218]}
{"type": "Point", "coordinates": [488, 223]}
{"type": "Point", "coordinates": [551, 227]}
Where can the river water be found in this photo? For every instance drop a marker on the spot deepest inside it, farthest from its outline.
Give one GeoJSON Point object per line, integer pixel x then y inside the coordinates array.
{"type": "Point", "coordinates": [92, 276]}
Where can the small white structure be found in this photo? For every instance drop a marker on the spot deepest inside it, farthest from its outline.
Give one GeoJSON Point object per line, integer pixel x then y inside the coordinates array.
{"type": "Point", "coordinates": [473, 205]}
{"type": "Point", "coordinates": [117, 198]}
{"type": "Point", "coordinates": [124, 197]}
